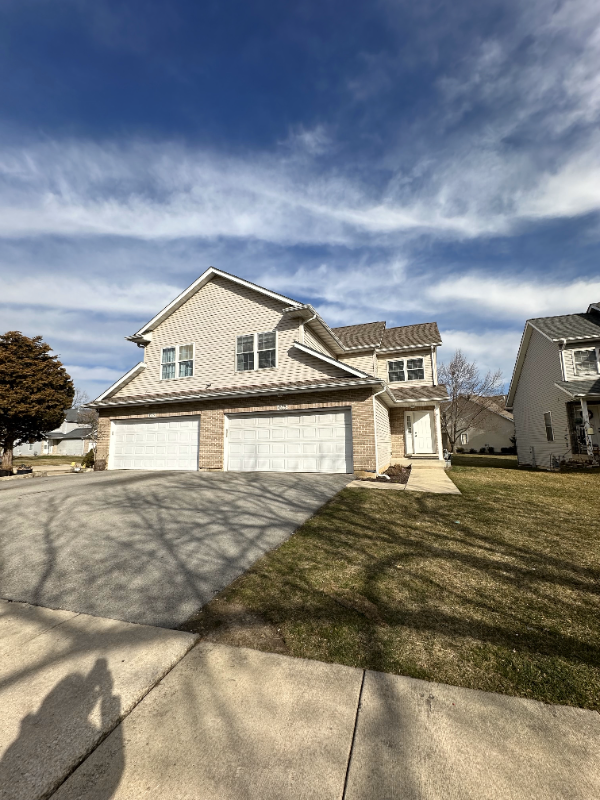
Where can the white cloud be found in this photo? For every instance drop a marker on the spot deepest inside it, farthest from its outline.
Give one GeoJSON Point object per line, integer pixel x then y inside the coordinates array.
{"type": "Point", "coordinates": [490, 349]}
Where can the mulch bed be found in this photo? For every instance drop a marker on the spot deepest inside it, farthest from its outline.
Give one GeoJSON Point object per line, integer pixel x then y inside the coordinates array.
{"type": "Point", "coordinates": [396, 474]}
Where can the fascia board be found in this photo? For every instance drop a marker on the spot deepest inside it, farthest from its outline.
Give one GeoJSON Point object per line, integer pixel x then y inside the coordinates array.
{"type": "Point", "coordinates": [510, 397]}
{"type": "Point", "coordinates": [121, 382]}
{"type": "Point", "coordinates": [408, 347]}
{"type": "Point", "coordinates": [329, 360]}
{"type": "Point", "coordinates": [210, 273]}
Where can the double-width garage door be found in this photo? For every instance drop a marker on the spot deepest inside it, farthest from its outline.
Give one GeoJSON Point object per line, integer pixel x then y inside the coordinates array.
{"type": "Point", "coordinates": [294, 442]}
{"type": "Point", "coordinates": [155, 444]}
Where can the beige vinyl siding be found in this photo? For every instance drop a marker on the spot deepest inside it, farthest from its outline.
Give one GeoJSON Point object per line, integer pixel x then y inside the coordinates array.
{"type": "Point", "coordinates": [362, 361]}
{"type": "Point", "coordinates": [312, 340]}
{"type": "Point", "coordinates": [535, 395]}
{"type": "Point", "coordinates": [384, 435]}
{"type": "Point", "coordinates": [570, 359]}
{"type": "Point", "coordinates": [382, 365]}
{"type": "Point", "coordinates": [212, 319]}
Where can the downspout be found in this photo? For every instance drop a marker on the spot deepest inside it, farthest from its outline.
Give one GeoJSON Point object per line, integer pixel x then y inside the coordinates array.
{"type": "Point", "coordinates": [563, 369]}
{"type": "Point", "coordinates": [434, 364]}
{"type": "Point", "coordinates": [375, 429]}
{"type": "Point", "coordinates": [306, 323]}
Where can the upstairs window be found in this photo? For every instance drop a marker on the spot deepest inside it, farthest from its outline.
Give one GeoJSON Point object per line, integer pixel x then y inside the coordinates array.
{"type": "Point", "coordinates": [548, 426]}
{"type": "Point", "coordinates": [396, 371]}
{"type": "Point", "coordinates": [414, 370]}
{"type": "Point", "coordinates": [586, 362]}
{"type": "Point", "coordinates": [177, 362]}
{"type": "Point", "coordinates": [256, 351]}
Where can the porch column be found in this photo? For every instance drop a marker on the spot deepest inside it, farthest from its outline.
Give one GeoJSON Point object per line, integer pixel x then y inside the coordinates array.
{"type": "Point", "coordinates": [586, 425]}
{"type": "Point", "coordinates": [438, 431]}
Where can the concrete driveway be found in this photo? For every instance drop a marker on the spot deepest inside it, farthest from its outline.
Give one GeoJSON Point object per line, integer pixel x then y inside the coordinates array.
{"type": "Point", "coordinates": [145, 547]}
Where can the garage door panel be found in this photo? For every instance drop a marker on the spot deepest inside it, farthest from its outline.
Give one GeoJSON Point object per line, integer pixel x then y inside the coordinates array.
{"type": "Point", "coordinates": [160, 444]}
{"type": "Point", "coordinates": [299, 442]}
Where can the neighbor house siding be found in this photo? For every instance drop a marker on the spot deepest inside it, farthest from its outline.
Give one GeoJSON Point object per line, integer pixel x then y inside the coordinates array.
{"type": "Point", "coordinates": [384, 437]}
{"type": "Point", "coordinates": [569, 359]}
{"type": "Point", "coordinates": [382, 365]}
{"type": "Point", "coordinates": [362, 361]}
{"type": "Point", "coordinates": [212, 419]}
{"type": "Point", "coordinates": [494, 433]}
{"type": "Point", "coordinates": [536, 394]}
{"type": "Point", "coordinates": [211, 320]}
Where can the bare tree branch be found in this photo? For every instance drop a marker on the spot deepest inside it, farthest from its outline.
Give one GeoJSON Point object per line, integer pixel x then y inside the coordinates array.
{"type": "Point", "coordinates": [471, 396]}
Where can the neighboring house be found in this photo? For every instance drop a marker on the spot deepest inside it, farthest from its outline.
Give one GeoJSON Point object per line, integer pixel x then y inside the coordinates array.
{"type": "Point", "coordinates": [70, 439]}
{"type": "Point", "coordinates": [492, 425]}
{"type": "Point", "coordinates": [236, 377]}
{"type": "Point", "coordinates": [555, 390]}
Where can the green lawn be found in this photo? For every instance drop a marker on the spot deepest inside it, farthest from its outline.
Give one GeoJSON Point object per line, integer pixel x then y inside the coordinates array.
{"type": "Point", "coordinates": [36, 461]}
{"type": "Point", "coordinates": [497, 589]}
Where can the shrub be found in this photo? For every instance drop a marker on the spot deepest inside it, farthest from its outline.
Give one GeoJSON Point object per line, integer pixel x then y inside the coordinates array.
{"type": "Point", "coordinates": [460, 449]}
{"type": "Point", "coordinates": [491, 450]}
{"type": "Point", "coordinates": [505, 450]}
{"type": "Point", "coordinates": [89, 458]}
{"type": "Point", "coordinates": [472, 450]}
{"type": "Point", "coordinates": [482, 450]}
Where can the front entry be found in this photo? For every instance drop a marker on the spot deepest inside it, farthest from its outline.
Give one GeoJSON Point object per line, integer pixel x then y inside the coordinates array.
{"type": "Point", "coordinates": [419, 432]}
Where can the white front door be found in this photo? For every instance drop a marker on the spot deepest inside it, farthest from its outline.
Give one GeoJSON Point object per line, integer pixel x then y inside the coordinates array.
{"type": "Point", "coordinates": [305, 441]}
{"type": "Point", "coordinates": [419, 432]}
{"type": "Point", "coordinates": [169, 443]}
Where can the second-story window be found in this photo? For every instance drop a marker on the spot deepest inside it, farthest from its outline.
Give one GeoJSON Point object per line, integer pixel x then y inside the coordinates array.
{"type": "Point", "coordinates": [396, 371]}
{"type": "Point", "coordinates": [414, 369]}
{"type": "Point", "coordinates": [177, 362]}
{"type": "Point", "coordinates": [586, 362]}
{"type": "Point", "coordinates": [256, 351]}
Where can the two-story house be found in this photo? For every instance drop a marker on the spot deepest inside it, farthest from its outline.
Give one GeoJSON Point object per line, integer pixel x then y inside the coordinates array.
{"type": "Point", "coordinates": [237, 377]}
{"type": "Point", "coordinates": [555, 390]}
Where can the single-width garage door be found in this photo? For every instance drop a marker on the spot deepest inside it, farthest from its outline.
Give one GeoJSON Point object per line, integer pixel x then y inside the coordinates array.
{"type": "Point", "coordinates": [293, 442]}
{"type": "Point", "coordinates": [155, 444]}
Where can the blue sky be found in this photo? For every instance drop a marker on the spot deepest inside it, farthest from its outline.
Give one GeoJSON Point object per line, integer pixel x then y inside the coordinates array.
{"type": "Point", "coordinates": [384, 160]}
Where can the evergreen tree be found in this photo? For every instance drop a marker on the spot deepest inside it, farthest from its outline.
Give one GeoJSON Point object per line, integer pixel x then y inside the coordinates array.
{"type": "Point", "coordinates": [35, 390]}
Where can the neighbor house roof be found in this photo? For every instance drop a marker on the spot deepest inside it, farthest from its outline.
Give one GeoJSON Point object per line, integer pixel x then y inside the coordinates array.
{"type": "Point", "coordinates": [421, 335]}
{"type": "Point", "coordinates": [581, 388]}
{"type": "Point", "coordinates": [238, 391]}
{"type": "Point", "coordinates": [417, 393]}
{"type": "Point", "coordinates": [368, 334]}
{"type": "Point", "coordinates": [77, 433]}
{"type": "Point", "coordinates": [569, 326]}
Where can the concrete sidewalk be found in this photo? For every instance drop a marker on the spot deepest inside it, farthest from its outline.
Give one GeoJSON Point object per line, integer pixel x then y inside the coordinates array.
{"type": "Point", "coordinates": [236, 724]}
{"type": "Point", "coordinates": [435, 481]}
{"type": "Point", "coordinates": [94, 709]}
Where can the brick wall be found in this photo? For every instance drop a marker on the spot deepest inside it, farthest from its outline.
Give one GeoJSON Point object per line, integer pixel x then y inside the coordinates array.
{"type": "Point", "coordinates": [213, 413]}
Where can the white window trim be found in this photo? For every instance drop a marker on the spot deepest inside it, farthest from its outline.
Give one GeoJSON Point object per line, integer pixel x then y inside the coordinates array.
{"type": "Point", "coordinates": [404, 360]}
{"type": "Point", "coordinates": [596, 350]}
{"type": "Point", "coordinates": [255, 351]}
{"type": "Point", "coordinates": [177, 377]}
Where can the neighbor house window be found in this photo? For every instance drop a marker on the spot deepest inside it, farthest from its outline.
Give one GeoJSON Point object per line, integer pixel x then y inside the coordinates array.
{"type": "Point", "coordinates": [586, 362]}
{"type": "Point", "coordinates": [177, 361]}
{"type": "Point", "coordinates": [548, 426]}
{"type": "Point", "coordinates": [396, 371]}
{"type": "Point", "coordinates": [256, 351]}
{"type": "Point", "coordinates": [414, 368]}
{"type": "Point", "coordinates": [464, 439]}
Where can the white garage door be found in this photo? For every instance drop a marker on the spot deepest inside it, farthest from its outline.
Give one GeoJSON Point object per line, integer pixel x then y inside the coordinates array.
{"type": "Point", "coordinates": [155, 444]}
{"type": "Point", "coordinates": [300, 442]}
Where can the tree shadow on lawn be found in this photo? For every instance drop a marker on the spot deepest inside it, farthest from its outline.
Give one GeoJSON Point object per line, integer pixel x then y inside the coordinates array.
{"type": "Point", "coordinates": [396, 585]}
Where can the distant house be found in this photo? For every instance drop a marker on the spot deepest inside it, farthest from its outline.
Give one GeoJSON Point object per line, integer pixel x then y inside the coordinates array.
{"type": "Point", "coordinates": [555, 390]}
{"type": "Point", "coordinates": [492, 425]}
{"type": "Point", "coordinates": [70, 439]}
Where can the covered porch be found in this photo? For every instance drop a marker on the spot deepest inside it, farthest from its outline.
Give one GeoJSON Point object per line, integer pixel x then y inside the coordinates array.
{"type": "Point", "coordinates": [583, 413]}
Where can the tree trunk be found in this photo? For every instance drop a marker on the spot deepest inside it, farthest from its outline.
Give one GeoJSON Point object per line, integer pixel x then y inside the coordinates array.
{"type": "Point", "coordinates": [7, 455]}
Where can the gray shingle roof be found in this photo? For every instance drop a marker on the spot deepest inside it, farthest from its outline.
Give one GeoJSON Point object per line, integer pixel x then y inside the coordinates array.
{"type": "Point", "coordinates": [235, 391]}
{"type": "Point", "coordinates": [419, 392]}
{"type": "Point", "coordinates": [589, 386]}
{"type": "Point", "coordinates": [78, 433]}
{"type": "Point", "coordinates": [424, 334]}
{"type": "Point", "coordinates": [569, 326]}
{"type": "Point", "coordinates": [368, 334]}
